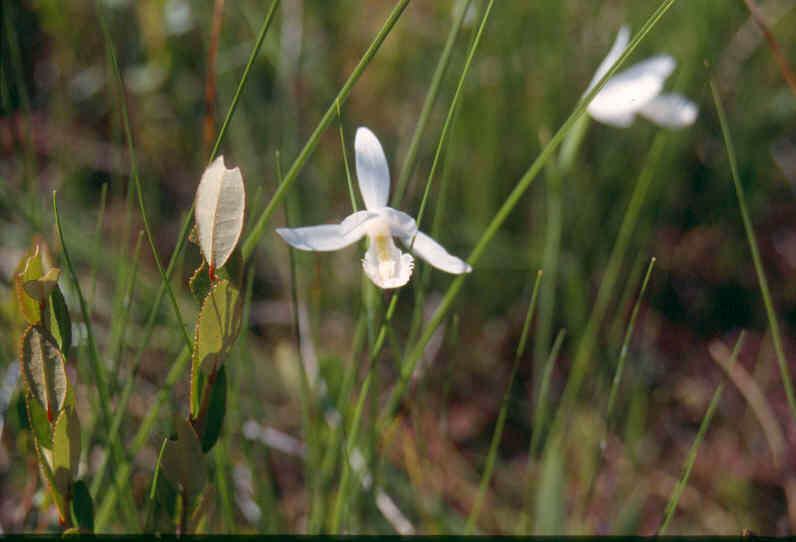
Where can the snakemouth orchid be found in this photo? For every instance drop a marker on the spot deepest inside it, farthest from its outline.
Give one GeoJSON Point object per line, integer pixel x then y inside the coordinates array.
{"type": "Point", "coordinates": [637, 90]}
{"type": "Point", "coordinates": [384, 263]}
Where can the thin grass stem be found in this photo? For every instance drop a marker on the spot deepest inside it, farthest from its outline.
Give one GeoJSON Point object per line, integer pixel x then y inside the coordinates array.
{"type": "Point", "coordinates": [692, 452]}
{"type": "Point", "coordinates": [501, 421]}
{"type": "Point", "coordinates": [428, 104]}
{"type": "Point", "coordinates": [758, 263]}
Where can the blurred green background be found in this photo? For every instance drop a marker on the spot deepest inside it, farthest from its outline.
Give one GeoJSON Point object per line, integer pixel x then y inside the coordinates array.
{"type": "Point", "coordinates": [60, 129]}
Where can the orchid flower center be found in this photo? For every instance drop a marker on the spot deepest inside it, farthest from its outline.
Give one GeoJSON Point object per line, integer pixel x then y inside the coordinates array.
{"type": "Point", "coordinates": [384, 263]}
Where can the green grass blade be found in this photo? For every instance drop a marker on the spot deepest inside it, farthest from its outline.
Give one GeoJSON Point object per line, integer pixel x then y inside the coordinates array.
{"type": "Point", "coordinates": [245, 77]}
{"type": "Point", "coordinates": [134, 171]}
{"type": "Point", "coordinates": [583, 354]}
{"type": "Point", "coordinates": [750, 235]}
{"type": "Point", "coordinates": [501, 422]}
{"type": "Point", "coordinates": [540, 412]}
{"type": "Point", "coordinates": [452, 110]}
{"type": "Point", "coordinates": [625, 344]}
{"type": "Point", "coordinates": [258, 230]}
{"type": "Point", "coordinates": [351, 191]}
{"type": "Point", "coordinates": [692, 452]}
{"type": "Point", "coordinates": [96, 365]}
{"type": "Point", "coordinates": [428, 105]}
{"type": "Point", "coordinates": [98, 244]}
{"type": "Point", "coordinates": [107, 504]}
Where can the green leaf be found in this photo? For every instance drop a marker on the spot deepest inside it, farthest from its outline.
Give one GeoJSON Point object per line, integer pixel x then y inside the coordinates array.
{"type": "Point", "coordinates": [199, 283]}
{"type": "Point", "coordinates": [219, 209]}
{"type": "Point", "coordinates": [37, 418]}
{"type": "Point", "coordinates": [82, 507]}
{"type": "Point", "coordinates": [45, 467]}
{"type": "Point", "coordinates": [22, 411]}
{"type": "Point", "coordinates": [43, 369]}
{"type": "Point", "coordinates": [550, 506]}
{"type": "Point", "coordinates": [40, 288]}
{"type": "Point", "coordinates": [215, 411]}
{"type": "Point", "coordinates": [32, 270]}
{"type": "Point", "coordinates": [217, 329]}
{"type": "Point", "coordinates": [60, 322]}
{"type": "Point", "coordinates": [183, 461]}
{"type": "Point", "coordinates": [66, 449]}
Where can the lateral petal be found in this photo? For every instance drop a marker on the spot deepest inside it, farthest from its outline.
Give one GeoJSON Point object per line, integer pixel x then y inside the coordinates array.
{"type": "Point", "coordinates": [670, 110]}
{"type": "Point", "coordinates": [328, 237]}
{"type": "Point", "coordinates": [629, 91]}
{"type": "Point", "coordinates": [431, 251]}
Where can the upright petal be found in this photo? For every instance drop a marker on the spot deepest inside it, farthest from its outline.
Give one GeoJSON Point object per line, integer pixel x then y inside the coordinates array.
{"type": "Point", "coordinates": [622, 39]}
{"type": "Point", "coordinates": [372, 171]}
{"type": "Point", "coordinates": [431, 251]}
{"type": "Point", "coordinates": [328, 236]}
{"type": "Point", "coordinates": [670, 110]}
{"type": "Point", "coordinates": [627, 92]}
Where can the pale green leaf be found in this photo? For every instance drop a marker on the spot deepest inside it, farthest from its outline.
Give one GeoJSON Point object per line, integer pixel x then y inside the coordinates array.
{"type": "Point", "coordinates": [66, 449]}
{"type": "Point", "coordinates": [32, 270]}
{"type": "Point", "coordinates": [217, 329]}
{"type": "Point", "coordinates": [219, 210]}
{"type": "Point", "coordinates": [43, 369]}
{"type": "Point", "coordinates": [40, 288]}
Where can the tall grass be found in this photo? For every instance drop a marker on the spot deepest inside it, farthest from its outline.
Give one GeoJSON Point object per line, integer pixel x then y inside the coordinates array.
{"type": "Point", "coordinates": [468, 404]}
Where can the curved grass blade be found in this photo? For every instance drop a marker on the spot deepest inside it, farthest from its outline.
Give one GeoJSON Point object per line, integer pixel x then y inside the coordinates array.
{"type": "Point", "coordinates": [501, 422]}
{"type": "Point", "coordinates": [758, 263]}
{"type": "Point", "coordinates": [692, 453]}
{"type": "Point", "coordinates": [428, 104]}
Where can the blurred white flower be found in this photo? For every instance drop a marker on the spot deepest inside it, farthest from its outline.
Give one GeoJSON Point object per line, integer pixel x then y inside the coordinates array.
{"type": "Point", "coordinates": [637, 90]}
{"type": "Point", "coordinates": [384, 263]}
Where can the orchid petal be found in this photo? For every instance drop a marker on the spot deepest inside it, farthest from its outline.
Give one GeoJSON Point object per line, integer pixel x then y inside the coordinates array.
{"type": "Point", "coordinates": [622, 39]}
{"type": "Point", "coordinates": [372, 171]}
{"type": "Point", "coordinates": [328, 236]}
{"type": "Point", "coordinates": [627, 92]}
{"type": "Point", "coordinates": [386, 265]}
{"type": "Point", "coordinates": [670, 110]}
{"type": "Point", "coordinates": [431, 251]}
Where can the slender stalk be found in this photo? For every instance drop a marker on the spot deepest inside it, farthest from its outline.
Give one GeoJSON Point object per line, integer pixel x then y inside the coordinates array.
{"type": "Point", "coordinates": [351, 192]}
{"type": "Point", "coordinates": [290, 177]}
{"type": "Point", "coordinates": [626, 342]}
{"type": "Point", "coordinates": [758, 263]}
{"type": "Point", "coordinates": [452, 110]}
{"type": "Point", "coordinates": [692, 452]}
{"type": "Point", "coordinates": [501, 421]}
{"type": "Point", "coordinates": [583, 354]}
{"type": "Point", "coordinates": [618, 377]}
{"type": "Point", "coordinates": [245, 77]}
{"type": "Point", "coordinates": [108, 502]}
{"type": "Point", "coordinates": [428, 104]}
{"type": "Point", "coordinates": [134, 173]}
{"type": "Point", "coordinates": [96, 366]}
{"type": "Point", "coordinates": [98, 244]}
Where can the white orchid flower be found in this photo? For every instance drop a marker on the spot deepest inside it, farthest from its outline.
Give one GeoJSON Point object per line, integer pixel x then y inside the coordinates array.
{"type": "Point", "coordinates": [637, 90]}
{"type": "Point", "coordinates": [384, 263]}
